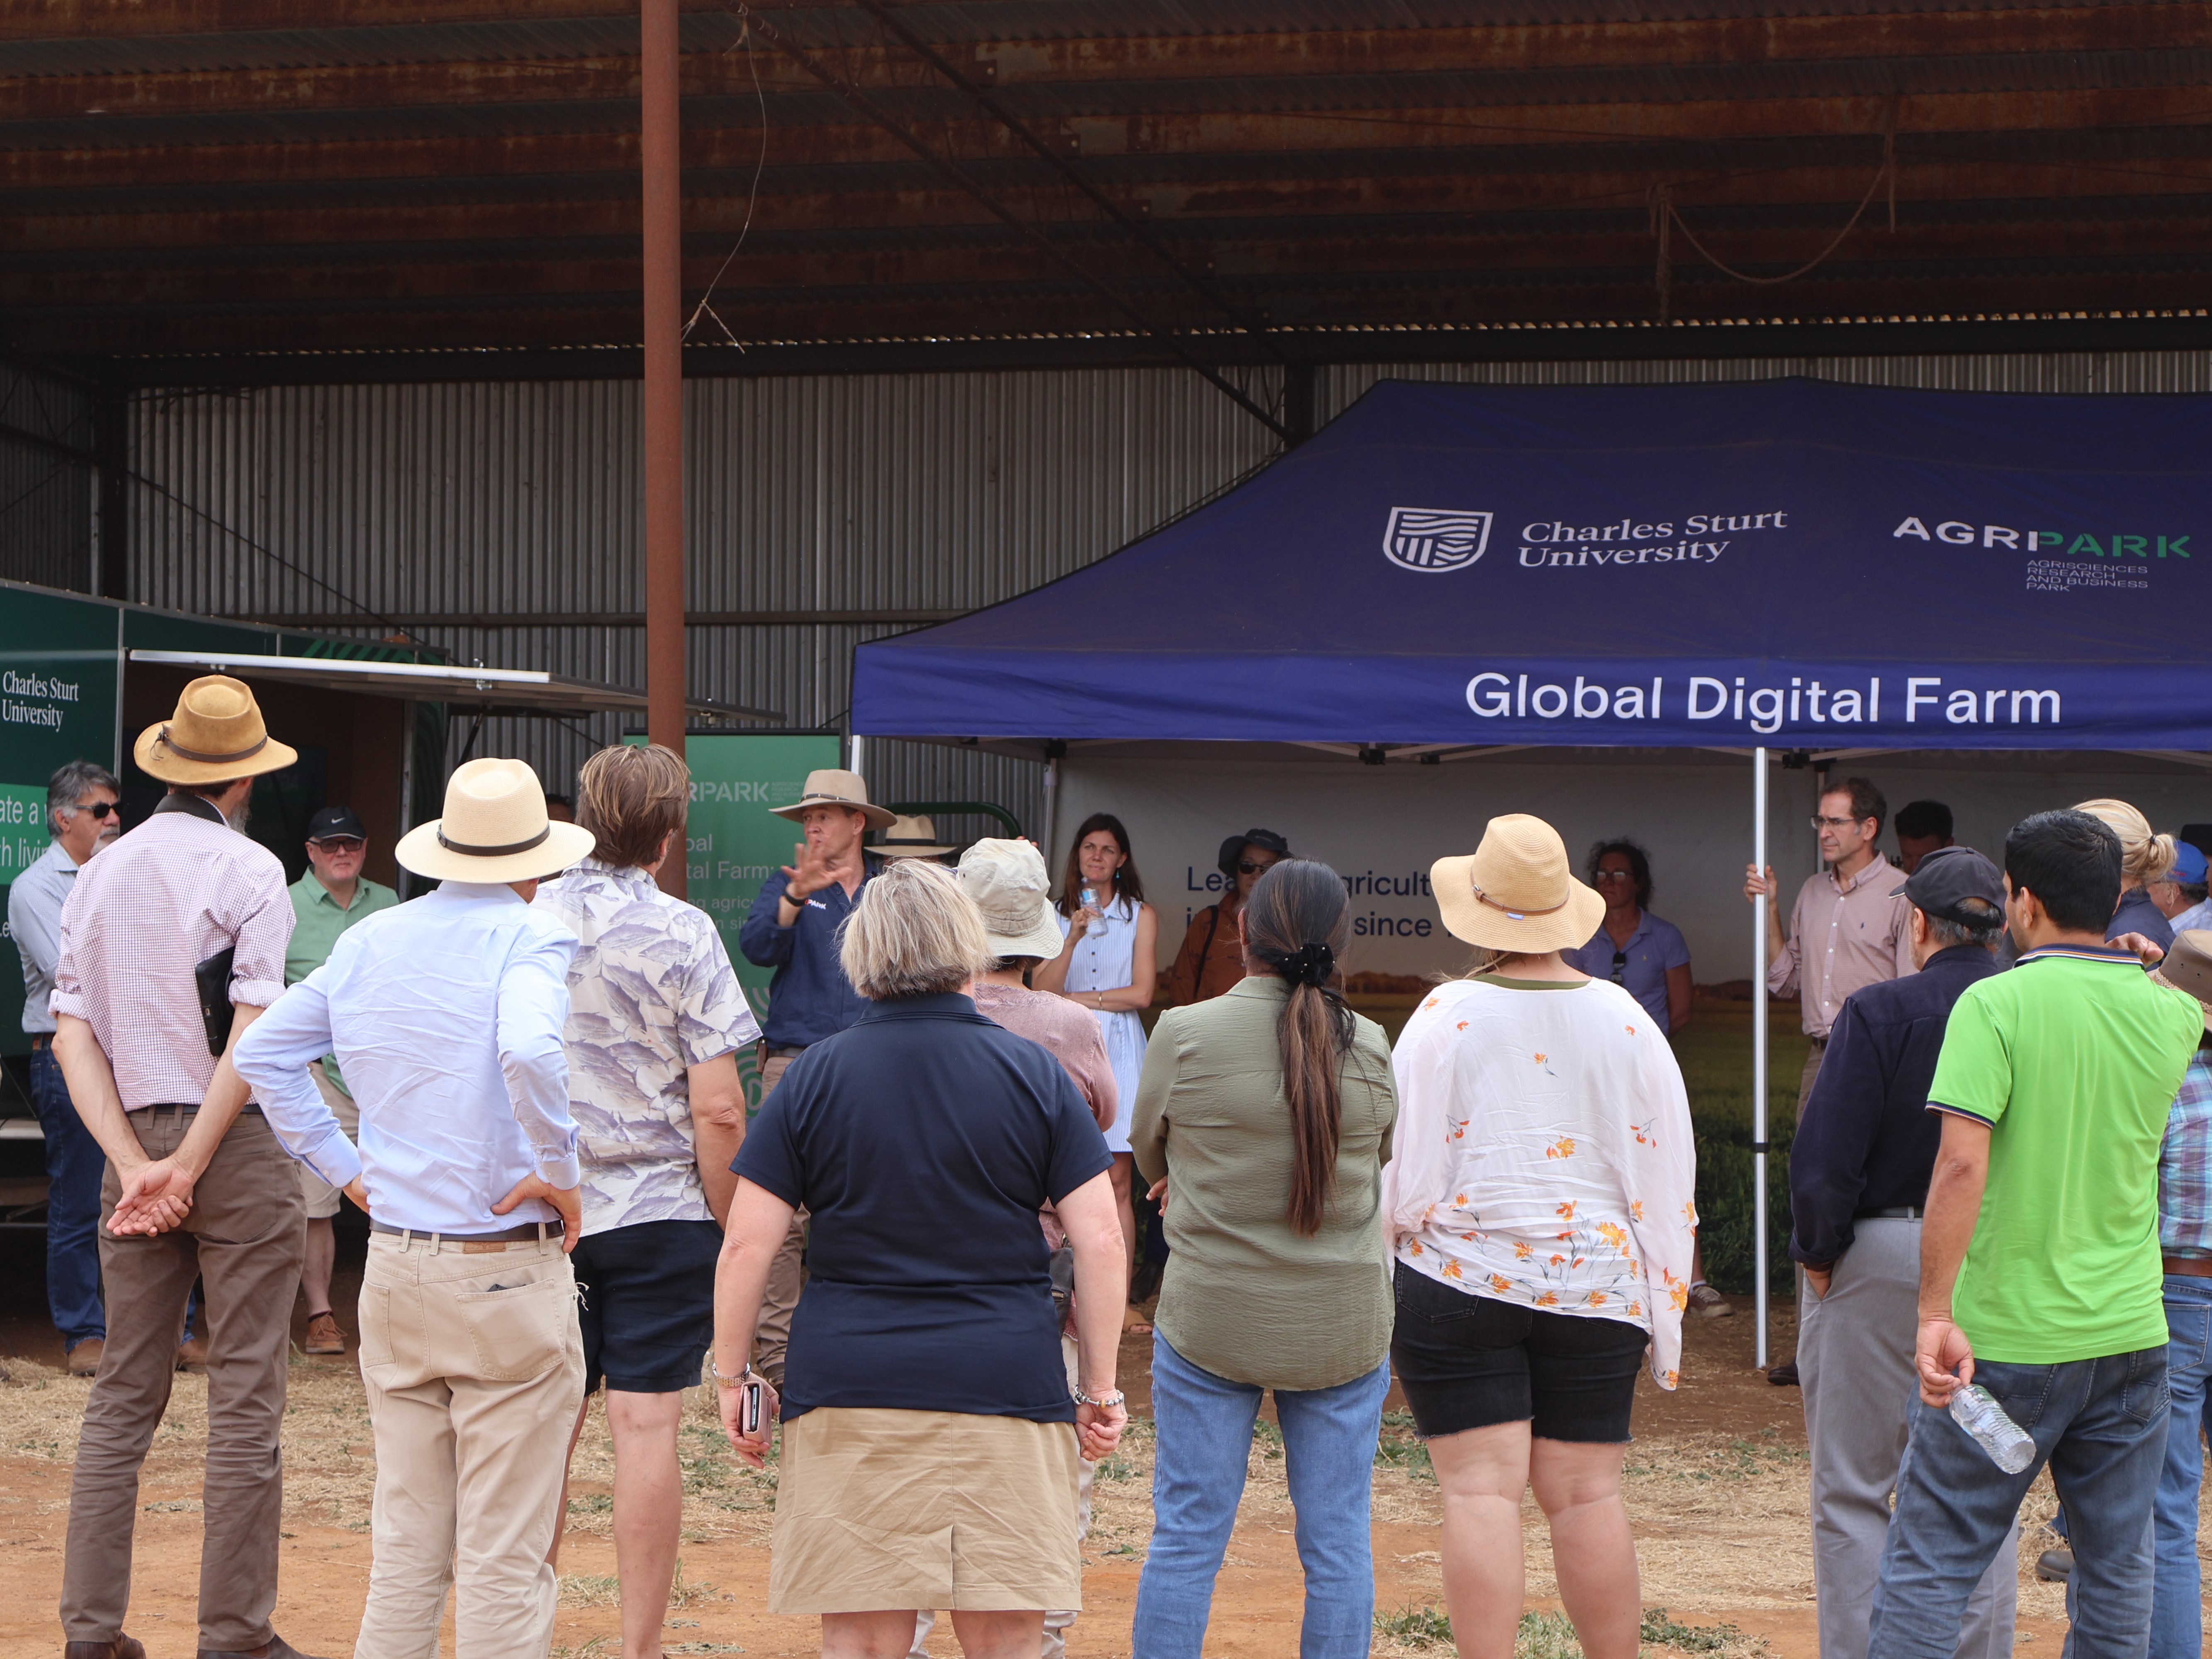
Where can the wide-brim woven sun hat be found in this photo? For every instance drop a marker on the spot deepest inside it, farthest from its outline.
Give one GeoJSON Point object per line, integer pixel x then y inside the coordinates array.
{"type": "Point", "coordinates": [1517, 890]}
{"type": "Point", "coordinates": [910, 838]}
{"type": "Point", "coordinates": [216, 735]}
{"type": "Point", "coordinates": [495, 829]}
{"type": "Point", "coordinates": [1008, 880]}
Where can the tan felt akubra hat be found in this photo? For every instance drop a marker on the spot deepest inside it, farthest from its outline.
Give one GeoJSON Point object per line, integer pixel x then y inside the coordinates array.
{"type": "Point", "coordinates": [216, 735]}
{"type": "Point", "coordinates": [1008, 880]}
{"type": "Point", "coordinates": [1515, 891]}
{"type": "Point", "coordinates": [495, 828]}
{"type": "Point", "coordinates": [831, 787]}
{"type": "Point", "coordinates": [2188, 968]}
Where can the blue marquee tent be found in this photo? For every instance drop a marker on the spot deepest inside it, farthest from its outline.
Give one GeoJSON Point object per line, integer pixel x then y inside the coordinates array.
{"type": "Point", "coordinates": [1788, 564]}
{"type": "Point", "coordinates": [1796, 563]}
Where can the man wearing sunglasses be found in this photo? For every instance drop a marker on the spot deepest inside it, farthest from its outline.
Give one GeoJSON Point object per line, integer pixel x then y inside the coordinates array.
{"type": "Point", "coordinates": [82, 817]}
{"type": "Point", "coordinates": [329, 898]}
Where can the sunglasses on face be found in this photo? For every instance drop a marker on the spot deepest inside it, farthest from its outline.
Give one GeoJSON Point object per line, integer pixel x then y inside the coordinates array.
{"type": "Point", "coordinates": [1246, 866]}
{"type": "Point", "coordinates": [99, 809]}
{"type": "Point", "coordinates": [338, 843]}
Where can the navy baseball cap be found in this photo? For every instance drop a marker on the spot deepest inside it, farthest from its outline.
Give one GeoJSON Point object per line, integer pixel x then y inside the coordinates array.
{"type": "Point", "coordinates": [331, 822]}
{"type": "Point", "coordinates": [1950, 874]}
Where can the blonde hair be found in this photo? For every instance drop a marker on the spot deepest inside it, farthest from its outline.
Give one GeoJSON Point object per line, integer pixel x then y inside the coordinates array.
{"type": "Point", "coordinates": [2145, 856]}
{"type": "Point", "coordinates": [915, 932]}
{"type": "Point", "coordinates": [631, 799]}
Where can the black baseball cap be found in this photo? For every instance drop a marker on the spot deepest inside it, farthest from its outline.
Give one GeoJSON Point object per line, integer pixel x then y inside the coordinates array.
{"type": "Point", "coordinates": [1950, 874]}
{"type": "Point", "coordinates": [1233, 849]}
{"type": "Point", "coordinates": [332, 821]}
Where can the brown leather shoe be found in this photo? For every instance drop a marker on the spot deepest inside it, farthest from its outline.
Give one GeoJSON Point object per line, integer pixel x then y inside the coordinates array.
{"type": "Point", "coordinates": [123, 1647]}
{"type": "Point", "coordinates": [275, 1648]}
{"type": "Point", "coordinates": [323, 1336]}
{"type": "Point", "coordinates": [84, 1358]}
{"type": "Point", "coordinates": [193, 1356]}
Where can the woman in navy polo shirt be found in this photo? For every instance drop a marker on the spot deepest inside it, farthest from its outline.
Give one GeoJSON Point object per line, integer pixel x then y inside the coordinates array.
{"type": "Point", "coordinates": [1643, 954]}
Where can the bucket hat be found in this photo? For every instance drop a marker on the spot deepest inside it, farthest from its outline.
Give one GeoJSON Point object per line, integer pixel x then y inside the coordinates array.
{"type": "Point", "coordinates": [216, 735]}
{"type": "Point", "coordinates": [910, 838]}
{"type": "Point", "coordinates": [1515, 891]}
{"type": "Point", "coordinates": [832, 786]}
{"type": "Point", "coordinates": [2188, 967]}
{"type": "Point", "coordinates": [1008, 880]}
{"type": "Point", "coordinates": [495, 828]}
{"type": "Point", "coordinates": [1233, 849]}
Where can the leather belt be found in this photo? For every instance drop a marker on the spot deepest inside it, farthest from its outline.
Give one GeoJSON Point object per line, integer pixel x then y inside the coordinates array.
{"type": "Point", "coordinates": [41, 1040]}
{"type": "Point", "coordinates": [251, 1108]}
{"type": "Point", "coordinates": [2188, 1266]}
{"type": "Point", "coordinates": [1894, 1212]}
{"type": "Point", "coordinates": [531, 1231]}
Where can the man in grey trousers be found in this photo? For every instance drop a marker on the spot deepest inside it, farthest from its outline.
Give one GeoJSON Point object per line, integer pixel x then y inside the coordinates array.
{"type": "Point", "coordinates": [1859, 1170]}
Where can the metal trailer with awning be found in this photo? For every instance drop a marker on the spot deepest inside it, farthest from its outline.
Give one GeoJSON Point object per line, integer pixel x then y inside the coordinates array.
{"type": "Point", "coordinates": [1448, 573]}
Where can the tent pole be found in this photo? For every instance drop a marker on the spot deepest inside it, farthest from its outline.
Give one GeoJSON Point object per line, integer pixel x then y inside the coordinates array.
{"type": "Point", "coordinates": [859, 750]}
{"type": "Point", "coordinates": [1051, 808]}
{"type": "Point", "coordinates": [1759, 1051]}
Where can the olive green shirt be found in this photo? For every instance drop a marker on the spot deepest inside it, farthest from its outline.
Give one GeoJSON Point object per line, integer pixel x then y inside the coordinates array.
{"type": "Point", "coordinates": [317, 922]}
{"type": "Point", "coordinates": [1245, 1296]}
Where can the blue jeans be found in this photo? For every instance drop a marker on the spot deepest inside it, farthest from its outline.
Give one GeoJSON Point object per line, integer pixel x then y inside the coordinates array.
{"type": "Point", "coordinates": [75, 1164]}
{"type": "Point", "coordinates": [1204, 1439]}
{"type": "Point", "coordinates": [2100, 1424]}
{"type": "Point", "coordinates": [2176, 1629]}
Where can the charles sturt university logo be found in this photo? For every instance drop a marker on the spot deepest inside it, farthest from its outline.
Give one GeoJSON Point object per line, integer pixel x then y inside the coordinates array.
{"type": "Point", "coordinates": [1425, 539]}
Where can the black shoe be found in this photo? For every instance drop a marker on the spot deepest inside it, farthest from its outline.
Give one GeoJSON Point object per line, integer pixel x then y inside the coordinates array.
{"type": "Point", "coordinates": [2055, 1566]}
{"type": "Point", "coordinates": [1784, 1376]}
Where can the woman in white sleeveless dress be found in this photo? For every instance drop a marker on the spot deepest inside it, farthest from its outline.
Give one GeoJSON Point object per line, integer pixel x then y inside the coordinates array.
{"type": "Point", "coordinates": [1109, 964]}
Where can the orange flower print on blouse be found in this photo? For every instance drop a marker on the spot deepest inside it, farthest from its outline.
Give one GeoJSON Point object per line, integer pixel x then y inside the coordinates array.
{"type": "Point", "coordinates": [1563, 1147]}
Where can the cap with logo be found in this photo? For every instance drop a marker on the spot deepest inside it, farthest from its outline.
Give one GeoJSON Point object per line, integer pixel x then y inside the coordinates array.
{"type": "Point", "coordinates": [1950, 875]}
{"type": "Point", "coordinates": [2189, 864]}
{"type": "Point", "coordinates": [330, 823]}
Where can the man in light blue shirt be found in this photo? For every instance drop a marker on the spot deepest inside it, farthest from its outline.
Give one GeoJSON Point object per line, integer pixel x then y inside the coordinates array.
{"type": "Point", "coordinates": [446, 1015]}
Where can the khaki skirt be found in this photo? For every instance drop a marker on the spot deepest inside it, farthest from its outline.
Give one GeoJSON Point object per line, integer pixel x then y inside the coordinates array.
{"type": "Point", "coordinates": [879, 1510]}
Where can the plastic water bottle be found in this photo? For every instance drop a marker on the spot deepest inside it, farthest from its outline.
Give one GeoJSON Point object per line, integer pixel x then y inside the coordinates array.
{"type": "Point", "coordinates": [2010, 1447]}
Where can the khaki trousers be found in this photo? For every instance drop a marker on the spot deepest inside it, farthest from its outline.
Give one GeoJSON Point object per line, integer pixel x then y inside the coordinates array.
{"type": "Point", "coordinates": [786, 1275]}
{"type": "Point", "coordinates": [474, 1368]}
{"type": "Point", "coordinates": [1814, 1056]}
{"type": "Point", "coordinates": [322, 1197]}
{"type": "Point", "coordinates": [243, 1238]}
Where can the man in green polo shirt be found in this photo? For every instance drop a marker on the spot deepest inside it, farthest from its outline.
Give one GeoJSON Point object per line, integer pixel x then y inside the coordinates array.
{"type": "Point", "coordinates": [330, 898]}
{"type": "Point", "coordinates": [2041, 1277]}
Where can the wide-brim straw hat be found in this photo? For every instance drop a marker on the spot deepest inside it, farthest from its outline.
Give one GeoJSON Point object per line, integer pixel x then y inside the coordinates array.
{"type": "Point", "coordinates": [910, 838]}
{"type": "Point", "coordinates": [2188, 968]}
{"type": "Point", "coordinates": [1516, 892]}
{"type": "Point", "coordinates": [1008, 880]}
{"type": "Point", "coordinates": [216, 735]}
{"type": "Point", "coordinates": [495, 828]}
{"type": "Point", "coordinates": [830, 787]}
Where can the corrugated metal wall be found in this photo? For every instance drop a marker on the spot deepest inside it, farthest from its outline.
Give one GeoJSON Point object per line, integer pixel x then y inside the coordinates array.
{"type": "Point", "coordinates": [45, 496]}
{"type": "Point", "coordinates": [866, 493]}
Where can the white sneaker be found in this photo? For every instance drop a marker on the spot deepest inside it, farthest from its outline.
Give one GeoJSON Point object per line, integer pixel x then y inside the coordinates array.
{"type": "Point", "coordinates": [1707, 1302]}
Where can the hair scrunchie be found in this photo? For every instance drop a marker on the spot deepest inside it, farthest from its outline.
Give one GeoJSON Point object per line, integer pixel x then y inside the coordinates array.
{"type": "Point", "coordinates": [1310, 965]}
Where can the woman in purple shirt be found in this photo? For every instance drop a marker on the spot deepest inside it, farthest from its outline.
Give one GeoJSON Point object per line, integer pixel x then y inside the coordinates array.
{"type": "Point", "coordinates": [1643, 955]}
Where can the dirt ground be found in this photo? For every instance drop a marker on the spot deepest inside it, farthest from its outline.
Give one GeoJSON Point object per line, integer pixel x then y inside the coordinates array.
{"type": "Point", "coordinates": [1716, 1487]}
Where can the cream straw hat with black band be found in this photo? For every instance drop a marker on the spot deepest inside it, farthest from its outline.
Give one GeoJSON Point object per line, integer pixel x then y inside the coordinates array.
{"type": "Point", "coordinates": [1516, 892]}
{"type": "Point", "coordinates": [495, 828]}
{"type": "Point", "coordinates": [216, 735]}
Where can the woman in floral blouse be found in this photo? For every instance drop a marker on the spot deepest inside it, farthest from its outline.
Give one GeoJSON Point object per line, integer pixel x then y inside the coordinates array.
{"type": "Point", "coordinates": [1541, 1218]}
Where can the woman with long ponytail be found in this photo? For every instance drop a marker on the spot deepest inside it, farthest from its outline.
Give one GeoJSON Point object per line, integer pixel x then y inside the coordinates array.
{"type": "Point", "coordinates": [1263, 1119]}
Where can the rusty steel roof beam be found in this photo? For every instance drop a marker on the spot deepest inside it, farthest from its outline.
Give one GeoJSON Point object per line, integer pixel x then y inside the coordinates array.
{"type": "Point", "coordinates": [1144, 234]}
{"type": "Point", "coordinates": [862, 104]}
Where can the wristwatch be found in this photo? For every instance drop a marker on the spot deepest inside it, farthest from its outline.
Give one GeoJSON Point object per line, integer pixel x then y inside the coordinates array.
{"type": "Point", "coordinates": [1111, 1397]}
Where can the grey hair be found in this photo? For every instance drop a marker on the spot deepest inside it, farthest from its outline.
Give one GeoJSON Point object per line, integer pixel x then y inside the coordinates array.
{"type": "Point", "coordinates": [68, 787]}
{"type": "Point", "coordinates": [915, 932]}
{"type": "Point", "coordinates": [1944, 933]}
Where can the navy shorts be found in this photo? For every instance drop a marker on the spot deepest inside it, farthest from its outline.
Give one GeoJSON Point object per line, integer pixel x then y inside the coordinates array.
{"type": "Point", "coordinates": [1468, 1362]}
{"type": "Point", "coordinates": [647, 1304]}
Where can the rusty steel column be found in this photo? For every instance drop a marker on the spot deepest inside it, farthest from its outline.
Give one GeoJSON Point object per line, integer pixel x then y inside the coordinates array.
{"type": "Point", "coordinates": [660, 151]}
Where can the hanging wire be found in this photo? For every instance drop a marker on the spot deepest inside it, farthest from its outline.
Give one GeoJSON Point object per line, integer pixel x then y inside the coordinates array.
{"type": "Point", "coordinates": [1666, 214]}
{"type": "Point", "coordinates": [752, 196]}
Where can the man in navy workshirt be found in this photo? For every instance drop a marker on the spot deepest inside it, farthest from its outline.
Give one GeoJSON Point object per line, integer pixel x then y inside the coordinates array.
{"type": "Point", "coordinates": [793, 927]}
{"type": "Point", "coordinates": [1859, 1170]}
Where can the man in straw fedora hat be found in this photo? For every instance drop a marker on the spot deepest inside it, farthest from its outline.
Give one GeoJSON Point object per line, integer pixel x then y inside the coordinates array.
{"type": "Point", "coordinates": [910, 838]}
{"type": "Point", "coordinates": [171, 944]}
{"type": "Point", "coordinates": [793, 927]}
{"type": "Point", "coordinates": [446, 1015]}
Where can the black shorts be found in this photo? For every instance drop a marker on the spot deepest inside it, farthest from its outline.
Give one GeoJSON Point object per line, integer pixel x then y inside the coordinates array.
{"type": "Point", "coordinates": [1467, 1361]}
{"type": "Point", "coordinates": [647, 1304]}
